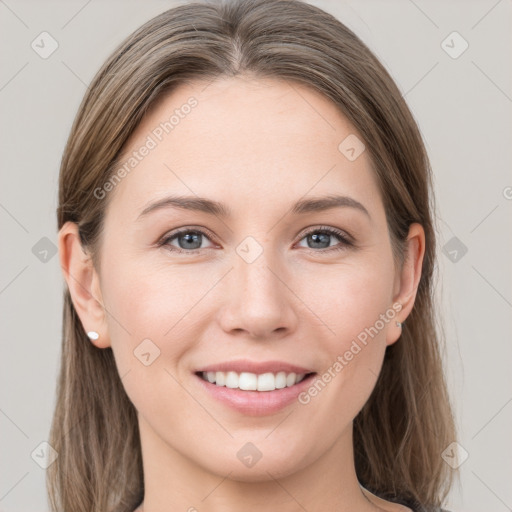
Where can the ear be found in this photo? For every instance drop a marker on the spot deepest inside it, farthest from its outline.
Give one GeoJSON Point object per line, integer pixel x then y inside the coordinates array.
{"type": "Point", "coordinates": [83, 283]}
{"type": "Point", "coordinates": [407, 279]}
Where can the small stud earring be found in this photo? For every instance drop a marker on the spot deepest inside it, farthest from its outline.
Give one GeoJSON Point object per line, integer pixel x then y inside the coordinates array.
{"type": "Point", "coordinates": [93, 335]}
{"type": "Point", "coordinates": [399, 324]}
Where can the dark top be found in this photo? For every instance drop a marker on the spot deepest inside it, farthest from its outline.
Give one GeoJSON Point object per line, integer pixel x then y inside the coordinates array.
{"type": "Point", "coordinates": [414, 505]}
{"type": "Point", "coordinates": [418, 507]}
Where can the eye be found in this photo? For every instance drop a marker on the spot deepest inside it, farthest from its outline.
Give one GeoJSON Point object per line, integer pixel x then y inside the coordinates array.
{"type": "Point", "coordinates": [188, 240]}
{"type": "Point", "coordinates": [320, 238]}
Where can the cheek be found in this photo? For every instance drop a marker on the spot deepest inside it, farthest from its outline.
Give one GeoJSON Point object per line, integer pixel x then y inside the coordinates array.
{"type": "Point", "coordinates": [349, 299]}
{"type": "Point", "coordinates": [152, 299]}
{"type": "Point", "coordinates": [150, 332]}
{"type": "Point", "coordinates": [356, 305]}
{"type": "Point", "coordinates": [146, 313]}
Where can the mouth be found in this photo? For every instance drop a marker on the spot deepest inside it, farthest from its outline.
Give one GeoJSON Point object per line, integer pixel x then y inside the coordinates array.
{"type": "Point", "coordinates": [254, 388]}
{"type": "Point", "coordinates": [268, 393]}
{"type": "Point", "coordinates": [247, 381]}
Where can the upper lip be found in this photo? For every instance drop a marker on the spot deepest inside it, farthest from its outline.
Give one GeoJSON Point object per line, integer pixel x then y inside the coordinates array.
{"type": "Point", "coordinates": [245, 365]}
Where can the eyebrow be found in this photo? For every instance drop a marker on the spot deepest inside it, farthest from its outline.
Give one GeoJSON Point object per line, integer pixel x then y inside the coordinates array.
{"type": "Point", "coordinates": [202, 204]}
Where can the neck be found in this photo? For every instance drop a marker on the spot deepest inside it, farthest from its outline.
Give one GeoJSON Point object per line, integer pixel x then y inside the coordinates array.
{"type": "Point", "coordinates": [175, 481]}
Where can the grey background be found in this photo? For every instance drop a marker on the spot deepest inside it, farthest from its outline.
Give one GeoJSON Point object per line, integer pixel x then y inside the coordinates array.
{"type": "Point", "coordinates": [463, 108]}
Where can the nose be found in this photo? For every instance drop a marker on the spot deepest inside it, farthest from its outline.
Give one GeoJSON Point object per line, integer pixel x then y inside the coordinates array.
{"type": "Point", "coordinates": [259, 299]}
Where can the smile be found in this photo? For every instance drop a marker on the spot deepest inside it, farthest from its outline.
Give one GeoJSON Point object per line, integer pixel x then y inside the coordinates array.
{"type": "Point", "coordinates": [269, 392]}
{"type": "Point", "coordinates": [251, 381]}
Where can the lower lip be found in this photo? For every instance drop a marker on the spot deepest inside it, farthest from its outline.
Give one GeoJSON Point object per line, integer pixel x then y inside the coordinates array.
{"type": "Point", "coordinates": [256, 403]}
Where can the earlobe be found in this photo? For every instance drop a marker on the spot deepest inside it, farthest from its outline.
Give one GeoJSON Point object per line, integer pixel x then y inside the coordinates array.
{"type": "Point", "coordinates": [83, 284]}
{"type": "Point", "coordinates": [408, 278]}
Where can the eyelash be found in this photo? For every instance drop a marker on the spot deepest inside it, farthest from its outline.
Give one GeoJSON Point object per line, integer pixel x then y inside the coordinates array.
{"type": "Point", "coordinates": [345, 242]}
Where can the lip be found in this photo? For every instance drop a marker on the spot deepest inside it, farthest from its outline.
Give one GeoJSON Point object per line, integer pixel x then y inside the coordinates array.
{"type": "Point", "coordinates": [256, 403]}
{"type": "Point", "coordinates": [245, 365]}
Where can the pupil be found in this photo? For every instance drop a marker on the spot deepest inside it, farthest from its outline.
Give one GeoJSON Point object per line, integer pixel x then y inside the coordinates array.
{"type": "Point", "coordinates": [189, 238]}
{"type": "Point", "coordinates": [323, 236]}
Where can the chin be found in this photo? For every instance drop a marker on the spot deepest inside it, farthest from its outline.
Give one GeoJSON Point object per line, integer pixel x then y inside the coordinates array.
{"type": "Point", "coordinates": [272, 463]}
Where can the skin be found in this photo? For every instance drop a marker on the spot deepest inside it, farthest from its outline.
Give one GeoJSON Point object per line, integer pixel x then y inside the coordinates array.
{"type": "Point", "coordinates": [246, 142]}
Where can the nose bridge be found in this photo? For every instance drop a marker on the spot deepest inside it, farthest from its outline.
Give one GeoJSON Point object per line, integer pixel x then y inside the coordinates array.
{"type": "Point", "coordinates": [258, 301]}
{"type": "Point", "coordinates": [256, 267]}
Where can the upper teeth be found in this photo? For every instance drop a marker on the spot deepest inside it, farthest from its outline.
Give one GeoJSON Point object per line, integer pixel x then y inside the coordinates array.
{"type": "Point", "coordinates": [252, 382]}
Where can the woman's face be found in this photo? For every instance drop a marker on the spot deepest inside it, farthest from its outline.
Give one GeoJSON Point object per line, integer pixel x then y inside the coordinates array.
{"type": "Point", "coordinates": [259, 281]}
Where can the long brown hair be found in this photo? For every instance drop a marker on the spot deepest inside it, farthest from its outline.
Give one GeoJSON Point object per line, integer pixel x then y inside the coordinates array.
{"type": "Point", "coordinates": [400, 433]}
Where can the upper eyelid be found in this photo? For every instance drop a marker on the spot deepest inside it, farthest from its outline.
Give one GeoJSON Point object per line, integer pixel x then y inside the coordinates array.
{"type": "Point", "coordinates": [332, 229]}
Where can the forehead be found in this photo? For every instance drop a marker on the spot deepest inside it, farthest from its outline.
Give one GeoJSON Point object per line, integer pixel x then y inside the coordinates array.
{"type": "Point", "coordinates": [236, 139]}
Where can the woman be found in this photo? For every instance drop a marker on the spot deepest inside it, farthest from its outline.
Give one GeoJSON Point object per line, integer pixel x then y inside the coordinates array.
{"type": "Point", "coordinates": [267, 365]}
